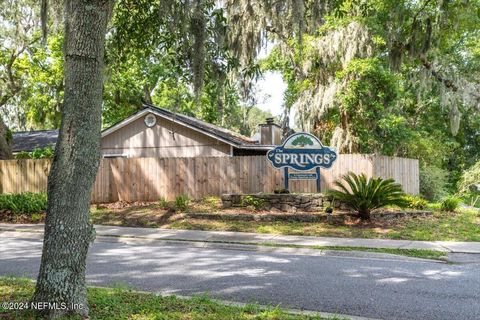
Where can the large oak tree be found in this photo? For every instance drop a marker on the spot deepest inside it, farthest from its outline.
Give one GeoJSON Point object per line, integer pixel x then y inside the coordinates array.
{"type": "Point", "coordinates": [68, 231]}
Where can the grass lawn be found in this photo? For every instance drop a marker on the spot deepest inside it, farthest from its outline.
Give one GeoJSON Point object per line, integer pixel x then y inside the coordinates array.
{"type": "Point", "coordinates": [416, 253]}
{"type": "Point", "coordinates": [459, 226]}
{"type": "Point", "coordinates": [117, 304]}
{"type": "Point", "coordinates": [463, 225]}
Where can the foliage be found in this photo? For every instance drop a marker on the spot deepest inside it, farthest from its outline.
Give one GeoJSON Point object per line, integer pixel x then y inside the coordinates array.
{"type": "Point", "coordinates": [366, 101]}
{"type": "Point", "coordinates": [44, 153]}
{"type": "Point", "coordinates": [148, 60]}
{"type": "Point", "coordinates": [181, 202]}
{"type": "Point", "coordinates": [415, 202]}
{"type": "Point", "coordinates": [473, 200]}
{"type": "Point", "coordinates": [26, 202]}
{"type": "Point", "coordinates": [469, 177]}
{"type": "Point", "coordinates": [365, 195]}
{"type": "Point", "coordinates": [450, 204]}
{"type": "Point", "coordinates": [152, 60]}
{"type": "Point", "coordinates": [163, 203]}
{"type": "Point", "coordinates": [389, 77]}
{"type": "Point", "coordinates": [256, 203]}
{"type": "Point", "coordinates": [31, 92]}
{"type": "Point", "coordinates": [433, 181]}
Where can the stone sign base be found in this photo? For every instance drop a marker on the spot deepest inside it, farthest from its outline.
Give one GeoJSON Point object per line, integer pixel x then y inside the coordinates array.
{"type": "Point", "coordinates": [305, 202]}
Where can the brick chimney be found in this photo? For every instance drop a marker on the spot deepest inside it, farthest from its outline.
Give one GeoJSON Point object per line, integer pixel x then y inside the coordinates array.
{"type": "Point", "coordinates": [270, 133]}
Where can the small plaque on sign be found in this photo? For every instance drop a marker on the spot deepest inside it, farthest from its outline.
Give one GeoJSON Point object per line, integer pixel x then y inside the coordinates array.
{"type": "Point", "coordinates": [302, 176]}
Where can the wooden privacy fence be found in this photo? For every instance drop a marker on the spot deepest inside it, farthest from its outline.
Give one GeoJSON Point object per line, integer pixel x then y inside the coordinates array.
{"type": "Point", "coordinates": [148, 179]}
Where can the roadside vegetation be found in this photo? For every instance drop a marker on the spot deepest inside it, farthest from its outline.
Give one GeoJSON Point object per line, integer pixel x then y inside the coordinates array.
{"type": "Point", "coordinates": [463, 225]}
{"type": "Point", "coordinates": [45, 153]}
{"type": "Point", "coordinates": [459, 225]}
{"type": "Point", "coordinates": [121, 303]}
{"type": "Point", "coordinates": [415, 253]}
{"type": "Point", "coordinates": [448, 221]}
{"type": "Point", "coordinates": [364, 194]}
{"type": "Point", "coordinates": [27, 203]}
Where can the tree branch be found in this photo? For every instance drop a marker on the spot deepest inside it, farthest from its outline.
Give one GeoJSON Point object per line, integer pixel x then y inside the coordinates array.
{"type": "Point", "coordinates": [448, 83]}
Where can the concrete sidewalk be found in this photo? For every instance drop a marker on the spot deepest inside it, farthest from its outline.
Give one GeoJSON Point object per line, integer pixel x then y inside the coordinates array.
{"type": "Point", "coordinates": [257, 238]}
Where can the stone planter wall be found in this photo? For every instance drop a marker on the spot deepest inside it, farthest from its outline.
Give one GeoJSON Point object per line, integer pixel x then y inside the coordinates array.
{"type": "Point", "coordinates": [336, 217]}
{"type": "Point", "coordinates": [307, 202]}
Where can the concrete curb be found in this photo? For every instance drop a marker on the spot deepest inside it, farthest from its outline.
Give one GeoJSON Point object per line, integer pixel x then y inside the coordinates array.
{"type": "Point", "coordinates": [262, 239]}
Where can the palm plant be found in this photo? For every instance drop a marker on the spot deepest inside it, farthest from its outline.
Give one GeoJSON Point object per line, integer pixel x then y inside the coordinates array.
{"type": "Point", "coordinates": [364, 195]}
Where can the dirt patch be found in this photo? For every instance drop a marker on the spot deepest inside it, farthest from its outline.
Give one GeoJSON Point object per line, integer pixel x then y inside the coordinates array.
{"type": "Point", "coordinates": [124, 205]}
{"type": "Point", "coordinates": [137, 214]}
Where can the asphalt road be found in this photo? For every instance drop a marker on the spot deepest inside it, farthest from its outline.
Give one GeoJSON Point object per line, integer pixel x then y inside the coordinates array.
{"type": "Point", "coordinates": [363, 285]}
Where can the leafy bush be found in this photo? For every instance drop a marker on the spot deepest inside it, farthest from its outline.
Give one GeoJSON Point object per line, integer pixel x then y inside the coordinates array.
{"type": "Point", "coordinates": [467, 186]}
{"type": "Point", "coordinates": [450, 204]}
{"type": "Point", "coordinates": [415, 202]}
{"type": "Point", "coordinates": [181, 202]}
{"type": "Point", "coordinates": [256, 203]}
{"type": "Point", "coordinates": [27, 202]}
{"type": "Point", "coordinates": [433, 182]}
{"type": "Point", "coordinates": [36, 154]}
{"type": "Point", "coordinates": [364, 195]}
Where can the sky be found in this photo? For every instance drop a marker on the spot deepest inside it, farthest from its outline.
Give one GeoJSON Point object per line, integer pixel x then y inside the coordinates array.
{"type": "Point", "coordinates": [270, 92]}
{"type": "Point", "coordinates": [271, 89]}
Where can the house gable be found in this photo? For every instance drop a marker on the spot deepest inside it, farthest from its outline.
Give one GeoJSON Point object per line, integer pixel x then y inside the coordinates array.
{"type": "Point", "coordinates": [167, 138]}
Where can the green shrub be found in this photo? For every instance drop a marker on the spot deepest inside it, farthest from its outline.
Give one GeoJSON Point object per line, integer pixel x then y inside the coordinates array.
{"type": "Point", "coordinates": [467, 185]}
{"type": "Point", "coordinates": [181, 202]}
{"type": "Point", "coordinates": [44, 153]}
{"type": "Point", "coordinates": [469, 177]}
{"type": "Point", "coordinates": [450, 204]}
{"type": "Point", "coordinates": [364, 195]}
{"type": "Point", "coordinates": [256, 203]}
{"type": "Point", "coordinates": [26, 202]}
{"type": "Point", "coordinates": [23, 155]}
{"type": "Point", "coordinates": [415, 202]}
{"type": "Point", "coordinates": [433, 182]}
{"type": "Point", "coordinates": [163, 203]}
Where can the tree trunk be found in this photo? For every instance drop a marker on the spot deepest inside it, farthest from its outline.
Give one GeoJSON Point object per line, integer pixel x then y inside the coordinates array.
{"type": "Point", "coordinates": [5, 148]}
{"type": "Point", "coordinates": [68, 231]}
{"type": "Point", "coordinates": [364, 215]}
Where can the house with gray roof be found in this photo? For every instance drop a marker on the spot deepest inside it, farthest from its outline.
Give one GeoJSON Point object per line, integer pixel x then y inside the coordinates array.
{"type": "Point", "coordinates": [157, 132]}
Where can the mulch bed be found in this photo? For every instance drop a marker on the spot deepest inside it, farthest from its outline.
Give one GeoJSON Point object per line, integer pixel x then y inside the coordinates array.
{"type": "Point", "coordinates": [7, 216]}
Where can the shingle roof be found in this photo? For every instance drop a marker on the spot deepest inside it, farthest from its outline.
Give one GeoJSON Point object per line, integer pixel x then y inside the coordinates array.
{"type": "Point", "coordinates": [31, 140]}
{"type": "Point", "coordinates": [226, 134]}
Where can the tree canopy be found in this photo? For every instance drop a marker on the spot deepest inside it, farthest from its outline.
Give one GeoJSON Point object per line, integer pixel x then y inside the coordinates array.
{"type": "Point", "coordinates": [389, 77]}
